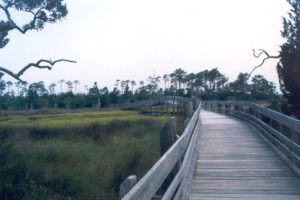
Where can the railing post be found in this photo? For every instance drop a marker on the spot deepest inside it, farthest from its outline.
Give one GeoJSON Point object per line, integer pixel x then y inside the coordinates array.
{"type": "Point", "coordinates": [127, 185]}
{"type": "Point", "coordinates": [295, 137]}
{"type": "Point", "coordinates": [237, 108]}
{"type": "Point", "coordinates": [188, 111]}
{"type": "Point", "coordinates": [251, 111]}
{"type": "Point", "coordinates": [219, 108]}
{"type": "Point", "coordinates": [168, 135]}
{"type": "Point", "coordinates": [173, 105]}
{"type": "Point", "coordinates": [195, 105]}
{"type": "Point", "coordinates": [167, 139]}
{"type": "Point", "coordinates": [227, 108]}
{"type": "Point", "coordinates": [162, 106]}
{"type": "Point", "coordinates": [167, 104]}
{"type": "Point", "coordinates": [177, 105]}
{"type": "Point", "coordinates": [181, 106]}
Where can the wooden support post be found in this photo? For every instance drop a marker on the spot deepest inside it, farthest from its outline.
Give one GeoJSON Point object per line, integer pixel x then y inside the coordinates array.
{"type": "Point", "coordinates": [195, 104]}
{"type": "Point", "coordinates": [258, 115]}
{"type": "Point", "coordinates": [168, 135]}
{"type": "Point", "coordinates": [251, 111]}
{"type": "Point", "coordinates": [173, 106]}
{"type": "Point", "coordinates": [186, 122]}
{"type": "Point", "coordinates": [280, 128]}
{"type": "Point", "coordinates": [167, 139]}
{"type": "Point", "coordinates": [188, 110]}
{"type": "Point", "coordinates": [182, 107]}
{"type": "Point", "coordinates": [219, 108]}
{"type": "Point", "coordinates": [226, 108]}
{"type": "Point", "coordinates": [271, 123]}
{"type": "Point", "coordinates": [236, 108]}
{"type": "Point", "coordinates": [167, 104]}
{"type": "Point", "coordinates": [127, 185]}
{"type": "Point", "coordinates": [147, 106]}
{"type": "Point", "coordinates": [295, 137]}
{"type": "Point", "coordinates": [178, 106]}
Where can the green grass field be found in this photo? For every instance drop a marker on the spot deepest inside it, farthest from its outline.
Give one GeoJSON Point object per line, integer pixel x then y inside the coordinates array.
{"type": "Point", "coordinates": [76, 155]}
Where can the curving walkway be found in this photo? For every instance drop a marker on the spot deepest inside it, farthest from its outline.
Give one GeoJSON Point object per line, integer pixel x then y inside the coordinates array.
{"type": "Point", "coordinates": [235, 163]}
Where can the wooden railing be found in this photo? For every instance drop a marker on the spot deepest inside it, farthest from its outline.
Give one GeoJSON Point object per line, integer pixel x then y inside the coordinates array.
{"type": "Point", "coordinates": [183, 148]}
{"type": "Point", "coordinates": [168, 104]}
{"type": "Point", "coordinates": [280, 131]}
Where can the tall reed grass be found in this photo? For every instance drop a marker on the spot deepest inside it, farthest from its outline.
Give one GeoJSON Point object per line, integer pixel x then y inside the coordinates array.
{"type": "Point", "coordinates": [75, 155]}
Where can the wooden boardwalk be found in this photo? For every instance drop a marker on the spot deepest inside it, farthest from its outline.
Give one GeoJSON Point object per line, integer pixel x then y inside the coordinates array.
{"type": "Point", "coordinates": [234, 162]}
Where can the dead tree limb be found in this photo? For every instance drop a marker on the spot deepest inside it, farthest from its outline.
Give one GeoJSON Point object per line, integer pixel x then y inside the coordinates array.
{"type": "Point", "coordinates": [262, 51]}
{"type": "Point", "coordinates": [41, 64]}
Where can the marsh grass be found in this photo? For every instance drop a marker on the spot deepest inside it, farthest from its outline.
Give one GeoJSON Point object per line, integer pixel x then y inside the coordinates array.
{"type": "Point", "coordinates": [76, 155]}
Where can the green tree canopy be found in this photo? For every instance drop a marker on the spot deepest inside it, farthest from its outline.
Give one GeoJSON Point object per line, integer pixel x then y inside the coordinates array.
{"type": "Point", "coordinates": [288, 67]}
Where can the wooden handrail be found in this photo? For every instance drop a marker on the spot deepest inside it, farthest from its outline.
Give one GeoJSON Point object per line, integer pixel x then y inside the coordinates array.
{"type": "Point", "coordinates": [181, 182]}
{"type": "Point", "coordinates": [159, 100]}
{"type": "Point", "coordinates": [146, 188]}
{"type": "Point", "coordinates": [287, 146]}
{"type": "Point", "coordinates": [285, 120]}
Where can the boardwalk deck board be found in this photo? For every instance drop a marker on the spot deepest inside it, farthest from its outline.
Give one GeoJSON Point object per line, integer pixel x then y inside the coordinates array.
{"type": "Point", "coordinates": [235, 163]}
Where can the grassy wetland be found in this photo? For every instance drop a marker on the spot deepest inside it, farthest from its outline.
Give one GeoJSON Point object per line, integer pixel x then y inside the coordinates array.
{"type": "Point", "coordinates": [82, 155]}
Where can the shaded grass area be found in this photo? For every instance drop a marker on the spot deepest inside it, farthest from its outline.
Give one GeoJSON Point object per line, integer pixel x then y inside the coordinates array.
{"type": "Point", "coordinates": [86, 156]}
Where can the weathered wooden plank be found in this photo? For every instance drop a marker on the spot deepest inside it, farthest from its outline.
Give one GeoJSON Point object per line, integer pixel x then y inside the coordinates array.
{"type": "Point", "coordinates": [243, 196]}
{"type": "Point", "coordinates": [240, 165]}
{"type": "Point", "coordinates": [279, 191]}
{"type": "Point", "coordinates": [233, 157]}
{"type": "Point", "coordinates": [280, 118]}
{"type": "Point", "coordinates": [233, 160]}
{"type": "Point", "coordinates": [291, 143]}
{"type": "Point", "coordinates": [247, 184]}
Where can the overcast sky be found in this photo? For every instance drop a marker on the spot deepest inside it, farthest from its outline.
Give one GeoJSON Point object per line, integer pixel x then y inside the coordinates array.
{"type": "Point", "coordinates": [132, 39]}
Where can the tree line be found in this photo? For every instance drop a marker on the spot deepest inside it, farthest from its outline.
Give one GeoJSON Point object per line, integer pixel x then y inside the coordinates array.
{"type": "Point", "coordinates": [207, 85]}
{"type": "Point", "coordinates": [51, 11]}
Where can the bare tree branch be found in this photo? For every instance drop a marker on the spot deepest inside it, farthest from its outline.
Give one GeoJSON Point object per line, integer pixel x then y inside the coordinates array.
{"type": "Point", "coordinates": [262, 51]}
{"type": "Point", "coordinates": [49, 65]}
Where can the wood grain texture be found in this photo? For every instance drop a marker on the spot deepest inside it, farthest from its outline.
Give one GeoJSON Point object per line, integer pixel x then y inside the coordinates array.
{"type": "Point", "coordinates": [235, 163]}
{"type": "Point", "coordinates": [146, 188]}
{"type": "Point", "coordinates": [289, 122]}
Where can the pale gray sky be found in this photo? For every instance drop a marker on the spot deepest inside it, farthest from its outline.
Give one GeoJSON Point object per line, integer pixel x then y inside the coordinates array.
{"type": "Point", "coordinates": [118, 39]}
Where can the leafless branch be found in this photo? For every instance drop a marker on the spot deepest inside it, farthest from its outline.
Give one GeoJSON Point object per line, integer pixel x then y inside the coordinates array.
{"type": "Point", "coordinates": [41, 64]}
{"type": "Point", "coordinates": [262, 51]}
